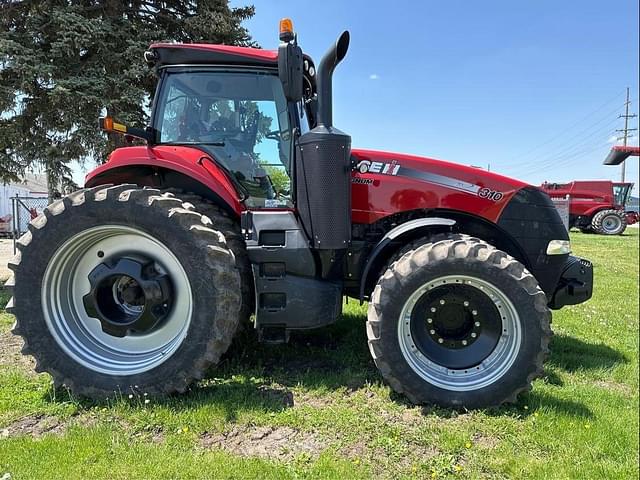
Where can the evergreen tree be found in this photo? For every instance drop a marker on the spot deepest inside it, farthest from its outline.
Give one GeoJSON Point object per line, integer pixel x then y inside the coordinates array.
{"type": "Point", "coordinates": [62, 62]}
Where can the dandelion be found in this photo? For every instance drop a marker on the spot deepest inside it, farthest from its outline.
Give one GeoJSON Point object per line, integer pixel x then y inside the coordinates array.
{"type": "Point", "coordinates": [146, 401]}
{"type": "Point", "coordinates": [457, 468]}
{"type": "Point", "coordinates": [536, 414]}
{"type": "Point", "coordinates": [185, 429]}
{"type": "Point", "coordinates": [587, 425]}
{"type": "Point", "coordinates": [467, 445]}
{"type": "Point", "coordinates": [357, 461]}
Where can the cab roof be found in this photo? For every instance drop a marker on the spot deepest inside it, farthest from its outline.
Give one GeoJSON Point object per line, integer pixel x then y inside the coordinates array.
{"type": "Point", "coordinates": [209, 54]}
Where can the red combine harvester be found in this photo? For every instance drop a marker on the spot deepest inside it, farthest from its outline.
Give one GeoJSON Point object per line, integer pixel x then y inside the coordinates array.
{"type": "Point", "coordinates": [598, 205]}
{"type": "Point", "coordinates": [247, 200]}
{"type": "Point", "coordinates": [595, 205]}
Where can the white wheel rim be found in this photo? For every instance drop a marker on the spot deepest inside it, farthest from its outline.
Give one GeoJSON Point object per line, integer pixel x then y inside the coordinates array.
{"type": "Point", "coordinates": [65, 283]}
{"type": "Point", "coordinates": [611, 223]}
{"type": "Point", "coordinates": [491, 369]}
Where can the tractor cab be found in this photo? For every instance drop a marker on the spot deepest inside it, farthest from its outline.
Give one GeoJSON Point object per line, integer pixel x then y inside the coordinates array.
{"type": "Point", "coordinates": [239, 117]}
{"type": "Point", "coordinates": [241, 106]}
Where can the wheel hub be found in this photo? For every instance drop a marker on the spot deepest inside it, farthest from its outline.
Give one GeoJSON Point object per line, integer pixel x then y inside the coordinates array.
{"type": "Point", "coordinates": [453, 324]}
{"type": "Point", "coordinates": [611, 223]}
{"type": "Point", "coordinates": [456, 325]}
{"type": "Point", "coordinates": [128, 296]}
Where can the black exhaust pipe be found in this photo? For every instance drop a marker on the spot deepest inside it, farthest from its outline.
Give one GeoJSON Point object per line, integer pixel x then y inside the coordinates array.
{"type": "Point", "coordinates": [323, 170]}
{"type": "Point", "coordinates": [325, 73]}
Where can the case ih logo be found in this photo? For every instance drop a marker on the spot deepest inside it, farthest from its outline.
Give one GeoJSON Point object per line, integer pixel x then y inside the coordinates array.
{"type": "Point", "coordinates": [365, 166]}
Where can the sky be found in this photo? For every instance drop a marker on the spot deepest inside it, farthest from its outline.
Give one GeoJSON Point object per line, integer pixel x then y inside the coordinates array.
{"type": "Point", "coordinates": [530, 89]}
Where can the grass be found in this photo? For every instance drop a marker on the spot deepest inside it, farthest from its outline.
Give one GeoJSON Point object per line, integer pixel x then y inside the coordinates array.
{"type": "Point", "coordinates": [323, 392]}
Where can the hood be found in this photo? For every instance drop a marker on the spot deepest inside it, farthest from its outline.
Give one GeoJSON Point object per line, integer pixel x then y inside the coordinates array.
{"type": "Point", "coordinates": [385, 183]}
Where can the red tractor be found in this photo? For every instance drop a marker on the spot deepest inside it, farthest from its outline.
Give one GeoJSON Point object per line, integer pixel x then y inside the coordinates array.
{"type": "Point", "coordinates": [247, 200]}
{"type": "Point", "coordinates": [595, 205]}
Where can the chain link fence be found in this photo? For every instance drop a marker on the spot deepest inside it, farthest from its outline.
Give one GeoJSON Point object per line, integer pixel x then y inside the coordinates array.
{"type": "Point", "coordinates": [24, 210]}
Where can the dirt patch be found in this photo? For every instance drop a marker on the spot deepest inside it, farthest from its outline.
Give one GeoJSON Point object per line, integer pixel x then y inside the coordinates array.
{"type": "Point", "coordinates": [361, 451]}
{"type": "Point", "coordinates": [485, 441]}
{"type": "Point", "coordinates": [10, 356]}
{"type": "Point", "coordinates": [614, 386]}
{"type": "Point", "coordinates": [35, 426]}
{"type": "Point", "coordinates": [277, 443]}
{"type": "Point", "coordinates": [280, 396]}
{"type": "Point", "coordinates": [380, 461]}
{"type": "Point", "coordinates": [306, 400]}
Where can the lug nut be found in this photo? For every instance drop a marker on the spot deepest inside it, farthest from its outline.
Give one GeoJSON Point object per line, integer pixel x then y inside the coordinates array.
{"type": "Point", "coordinates": [440, 340]}
{"type": "Point", "coordinates": [442, 302]}
{"type": "Point", "coordinates": [474, 334]}
{"type": "Point", "coordinates": [464, 342]}
{"type": "Point", "coordinates": [433, 309]}
{"type": "Point", "coordinates": [466, 304]}
{"type": "Point", "coordinates": [474, 312]}
{"type": "Point", "coordinates": [432, 332]}
{"type": "Point", "coordinates": [477, 324]}
{"type": "Point", "coordinates": [429, 320]}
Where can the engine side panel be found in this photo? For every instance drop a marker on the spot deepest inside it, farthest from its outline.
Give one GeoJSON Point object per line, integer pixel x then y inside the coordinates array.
{"type": "Point", "coordinates": [386, 183]}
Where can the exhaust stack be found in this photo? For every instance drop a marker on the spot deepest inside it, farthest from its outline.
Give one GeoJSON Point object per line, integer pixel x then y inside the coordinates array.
{"type": "Point", "coordinates": [329, 61]}
{"type": "Point", "coordinates": [323, 168]}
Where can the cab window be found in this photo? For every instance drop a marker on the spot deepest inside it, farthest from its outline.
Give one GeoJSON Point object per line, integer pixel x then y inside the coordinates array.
{"type": "Point", "coordinates": [241, 118]}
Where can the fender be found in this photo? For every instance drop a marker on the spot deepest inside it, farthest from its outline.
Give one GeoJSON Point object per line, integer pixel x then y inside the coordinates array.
{"type": "Point", "coordinates": [408, 228]}
{"type": "Point", "coordinates": [191, 162]}
{"type": "Point", "coordinates": [593, 210]}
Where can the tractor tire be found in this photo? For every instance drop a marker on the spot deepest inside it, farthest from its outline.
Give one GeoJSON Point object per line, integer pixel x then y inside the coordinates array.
{"type": "Point", "coordinates": [119, 289]}
{"type": "Point", "coordinates": [231, 231]}
{"type": "Point", "coordinates": [458, 323]}
{"type": "Point", "coordinates": [609, 222]}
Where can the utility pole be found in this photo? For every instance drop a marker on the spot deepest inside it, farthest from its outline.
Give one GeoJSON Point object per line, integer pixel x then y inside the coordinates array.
{"type": "Point", "coordinates": [625, 131]}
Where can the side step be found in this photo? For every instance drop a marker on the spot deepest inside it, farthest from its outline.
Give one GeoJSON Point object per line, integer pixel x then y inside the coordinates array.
{"type": "Point", "coordinates": [289, 295]}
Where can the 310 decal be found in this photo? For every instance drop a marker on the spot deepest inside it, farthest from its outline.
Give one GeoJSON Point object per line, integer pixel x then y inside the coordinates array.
{"type": "Point", "coordinates": [494, 195]}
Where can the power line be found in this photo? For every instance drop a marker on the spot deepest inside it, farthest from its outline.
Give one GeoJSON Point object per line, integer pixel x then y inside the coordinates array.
{"type": "Point", "coordinates": [557, 136]}
{"type": "Point", "coordinates": [567, 159]}
{"type": "Point", "coordinates": [580, 135]}
{"type": "Point", "coordinates": [547, 160]}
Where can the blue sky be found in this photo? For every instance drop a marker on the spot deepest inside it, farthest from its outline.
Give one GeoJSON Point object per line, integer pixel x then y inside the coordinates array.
{"type": "Point", "coordinates": [532, 88]}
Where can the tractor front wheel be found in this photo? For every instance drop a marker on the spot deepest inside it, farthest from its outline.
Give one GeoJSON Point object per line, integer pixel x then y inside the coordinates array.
{"type": "Point", "coordinates": [457, 322]}
{"type": "Point", "coordinates": [123, 289]}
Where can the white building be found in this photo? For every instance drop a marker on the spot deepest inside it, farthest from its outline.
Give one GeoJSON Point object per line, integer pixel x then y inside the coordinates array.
{"type": "Point", "coordinates": [33, 186]}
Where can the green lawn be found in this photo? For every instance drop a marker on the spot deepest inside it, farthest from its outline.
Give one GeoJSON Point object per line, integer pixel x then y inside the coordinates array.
{"type": "Point", "coordinates": [316, 408]}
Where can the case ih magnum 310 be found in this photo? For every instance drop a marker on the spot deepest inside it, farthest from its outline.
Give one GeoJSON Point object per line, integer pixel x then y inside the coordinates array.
{"type": "Point", "coordinates": [246, 199]}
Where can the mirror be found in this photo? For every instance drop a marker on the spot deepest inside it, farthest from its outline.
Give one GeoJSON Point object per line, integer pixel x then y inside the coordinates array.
{"type": "Point", "coordinates": [290, 70]}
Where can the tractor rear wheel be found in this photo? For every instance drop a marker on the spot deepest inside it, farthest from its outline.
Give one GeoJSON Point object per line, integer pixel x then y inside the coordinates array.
{"type": "Point", "coordinates": [458, 323]}
{"type": "Point", "coordinates": [123, 290]}
{"type": "Point", "coordinates": [609, 222]}
{"type": "Point", "coordinates": [231, 230]}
